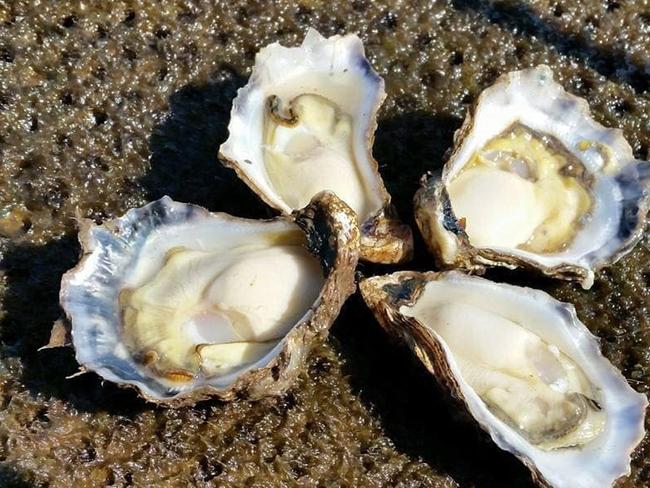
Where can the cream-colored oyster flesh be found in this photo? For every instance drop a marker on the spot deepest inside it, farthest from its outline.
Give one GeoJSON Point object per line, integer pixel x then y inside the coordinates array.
{"type": "Point", "coordinates": [518, 191]}
{"type": "Point", "coordinates": [184, 304]}
{"type": "Point", "coordinates": [534, 181]}
{"type": "Point", "coordinates": [212, 311]}
{"type": "Point", "coordinates": [312, 150]}
{"type": "Point", "coordinates": [305, 123]}
{"type": "Point", "coordinates": [527, 382]}
{"type": "Point", "coordinates": [525, 367]}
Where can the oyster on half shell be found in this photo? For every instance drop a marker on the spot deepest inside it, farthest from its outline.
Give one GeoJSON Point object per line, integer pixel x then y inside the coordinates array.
{"type": "Point", "coordinates": [525, 367]}
{"type": "Point", "coordinates": [184, 304]}
{"type": "Point", "coordinates": [304, 123]}
{"type": "Point", "coordinates": [534, 181]}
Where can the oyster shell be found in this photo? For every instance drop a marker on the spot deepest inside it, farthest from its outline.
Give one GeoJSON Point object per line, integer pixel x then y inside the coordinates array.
{"type": "Point", "coordinates": [184, 304]}
{"type": "Point", "coordinates": [525, 367]}
{"type": "Point", "coordinates": [305, 122]}
{"type": "Point", "coordinates": [534, 181]}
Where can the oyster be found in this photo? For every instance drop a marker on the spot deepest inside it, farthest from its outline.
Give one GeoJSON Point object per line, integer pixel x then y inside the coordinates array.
{"type": "Point", "coordinates": [305, 122]}
{"type": "Point", "coordinates": [184, 304]}
{"type": "Point", "coordinates": [534, 181]}
{"type": "Point", "coordinates": [525, 367]}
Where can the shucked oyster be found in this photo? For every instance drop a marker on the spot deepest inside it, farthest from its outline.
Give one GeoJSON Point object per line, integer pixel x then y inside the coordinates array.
{"type": "Point", "coordinates": [534, 181]}
{"type": "Point", "coordinates": [526, 368]}
{"type": "Point", "coordinates": [184, 304]}
{"type": "Point", "coordinates": [305, 122]}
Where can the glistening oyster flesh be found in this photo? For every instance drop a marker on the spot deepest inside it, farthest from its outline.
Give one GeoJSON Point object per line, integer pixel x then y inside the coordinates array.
{"type": "Point", "coordinates": [305, 122]}
{"type": "Point", "coordinates": [534, 181]}
{"type": "Point", "coordinates": [184, 304]}
{"type": "Point", "coordinates": [527, 370]}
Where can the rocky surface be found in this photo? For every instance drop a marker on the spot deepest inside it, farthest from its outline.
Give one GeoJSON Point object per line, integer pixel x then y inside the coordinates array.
{"type": "Point", "coordinates": [103, 108]}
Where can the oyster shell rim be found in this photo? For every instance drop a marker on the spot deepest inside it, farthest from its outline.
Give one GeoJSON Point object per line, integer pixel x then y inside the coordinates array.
{"type": "Point", "coordinates": [385, 238]}
{"type": "Point", "coordinates": [329, 225]}
{"type": "Point", "coordinates": [385, 294]}
{"type": "Point", "coordinates": [431, 202]}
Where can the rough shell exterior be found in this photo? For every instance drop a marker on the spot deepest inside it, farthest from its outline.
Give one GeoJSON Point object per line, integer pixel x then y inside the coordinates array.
{"type": "Point", "coordinates": [384, 238]}
{"type": "Point", "coordinates": [445, 235]}
{"type": "Point", "coordinates": [384, 295]}
{"type": "Point", "coordinates": [332, 234]}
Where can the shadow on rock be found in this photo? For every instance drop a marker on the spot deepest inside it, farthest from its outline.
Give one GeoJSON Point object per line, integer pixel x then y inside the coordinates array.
{"type": "Point", "coordinates": [406, 147]}
{"type": "Point", "coordinates": [184, 148]}
{"type": "Point", "coordinates": [11, 478]}
{"type": "Point", "coordinates": [31, 305]}
{"type": "Point", "coordinates": [416, 414]}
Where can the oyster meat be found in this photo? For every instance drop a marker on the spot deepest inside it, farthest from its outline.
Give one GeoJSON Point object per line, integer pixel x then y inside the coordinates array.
{"type": "Point", "coordinates": [534, 181]}
{"type": "Point", "coordinates": [304, 123]}
{"type": "Point", "coordinates": [525, 367]}
{"type": "Point", "coordinates": [184, 304]}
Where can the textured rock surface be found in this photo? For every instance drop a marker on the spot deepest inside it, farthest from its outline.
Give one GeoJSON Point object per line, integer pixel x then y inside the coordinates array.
{"type": "Point", "coordinates": [105, 108]}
